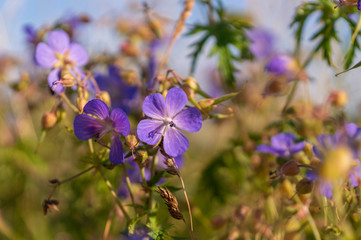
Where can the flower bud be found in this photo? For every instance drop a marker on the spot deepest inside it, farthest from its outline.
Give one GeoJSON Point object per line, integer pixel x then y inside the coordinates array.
{"type": "Point", "coordinates": [338, 98]}
{"type": "Point", "coordinates": [48, 120]}
{"type": "Point", "coordinates": [156, 27]}
{"type": "Point", "coordinates": [308, 149]}
{"type": "Point", "coordinates": [67, 79]}
{"type": "Point", "coordinates": [131, 141]}
{"type": "Point", "coordinates": [129, 49]}
{"type": "Point", "coordinates": [304, 186]}
{"type": "Point", "coordinates": [130, 77]}
{"type": "Point", "coordinates": [207, 105]}
{"type": "Point", "coordinates": [188, 90]}
{"type": "Point", "coordinates": [192, 82]}
{"type": "Point", "coordinates": [290, 168]}
{"type": "Point", "coordinates": [105, 97]}
{"type": "Point", "coordinates": [81, 102]}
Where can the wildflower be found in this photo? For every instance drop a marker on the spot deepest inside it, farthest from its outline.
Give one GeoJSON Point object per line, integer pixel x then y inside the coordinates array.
{"type": "Point", "coordinates": [168, 118]}
{"type": "Point", "coordinates": [58, 53]}
{"type": "Point", "coordinates": [324, 187]}
{"type": "Point", "coordinates": [282, 145]}
{"type": "Point", "coordinates": [97, 121]}
{"type": "Point", "coordinates": [261, 43]}
{"type": "Point", "coordinates": [282, 64]}
{"type": "Point", "coordinates": [122, 94]}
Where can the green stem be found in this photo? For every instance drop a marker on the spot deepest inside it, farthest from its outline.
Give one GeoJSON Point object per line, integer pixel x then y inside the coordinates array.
{"type": "Point", "coordinates": [41, 139]}
{"type": "Point", "coordinates": [357, 29]}
{"type": "Point", "coordinates": [310, 220]}
{"type": "Point", "coordinates": [66, 99]}
{"type": "Point", "coordinates": [128, 184]}
{"type": "Point", "coordinates": [114, 194]}
{"type": "Point", "coordinates": [76, 175]}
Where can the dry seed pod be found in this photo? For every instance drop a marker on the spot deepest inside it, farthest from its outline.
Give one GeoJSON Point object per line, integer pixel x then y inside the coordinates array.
{"type": "Point", "coordinates": [171, 203]}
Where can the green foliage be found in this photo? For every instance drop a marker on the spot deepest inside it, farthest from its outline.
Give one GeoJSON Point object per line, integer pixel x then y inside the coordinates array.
{"type": "Point", "coordinates": [327, 32]}
{"type": "Point", "coordinates": [230, 43]}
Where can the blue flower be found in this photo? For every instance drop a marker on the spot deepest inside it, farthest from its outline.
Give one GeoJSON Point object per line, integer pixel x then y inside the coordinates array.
{"type": "Point", "coordinates": [282, 64]}
{"type": "Point", "coordinates": [59, 53]}
{"type": "Point", "coordinates": [168, 118]}
{"type": "Point", "coordinates": [282, 145]}
{"type": "Point", "coordinates": [97, 121]}
{"type": "Point", "coordinates": [121, 94]}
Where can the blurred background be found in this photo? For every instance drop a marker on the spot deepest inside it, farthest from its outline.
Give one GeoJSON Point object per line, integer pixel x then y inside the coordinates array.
{"type": "Point", "coordinates": [223, 178]}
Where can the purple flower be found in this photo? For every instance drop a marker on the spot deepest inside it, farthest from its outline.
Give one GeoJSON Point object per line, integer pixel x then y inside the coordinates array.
{"type": "Point", "coordinates": [31, 33]}
{"type": "Point", "coordinates": [261, 43]}
{"type": "Point", "coordinates": [282, 145]}
{"type": "Point", "coordinates": [168, 118]}
{"type": "Point", "coordinates": [122, 94]}
{"type": "Point", "coordinates": [281, 64]}
{"type": "Point", "coordinates": [97, 121]}
{"type": "Point", "coordinates": [58, 53]}
{"type": "Point", "coordinates": [324, 187]}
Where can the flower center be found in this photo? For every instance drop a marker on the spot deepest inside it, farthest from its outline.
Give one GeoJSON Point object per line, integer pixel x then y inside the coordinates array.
{"type": "Point", "coordinates": [168, 121]}
{"type": "Point", "coordinates": [63, 59]}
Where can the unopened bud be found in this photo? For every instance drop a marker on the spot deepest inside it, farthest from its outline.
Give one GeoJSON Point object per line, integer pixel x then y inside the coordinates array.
{"type": "Point", "coordinates": [290, 168]}
{"type": "Point", "coordinates": [131, 141]}
{"type": "Point", "coordinates": [67, 79]}
{"type": "Point", "coordinates": [81, 102]}
{"type": "Point", "coordinates": [48, 120]}
{"type": "Point", "coordinates": [308, 149]}
{"type": "Point", "coordinates": [84, 18]}
{"type": "Point", "coordinates": [207, 105]}
{"type": "Point", "coordinates": [105, 97]}
{"type": "Point", "coordinates": [188, 90]}
{"type": "Point", "coordinates": [156, 27]}
{"type": "Point", "coordinates": [192, 83]}
{"type": "Point", "coordinates": [129, 49]}
{"type": "Point", "coordinates": [338, 98]}
{"type": "Point", "coordinates": [130, 77]}
{"type": "Point", "coordinates": [304, 186]}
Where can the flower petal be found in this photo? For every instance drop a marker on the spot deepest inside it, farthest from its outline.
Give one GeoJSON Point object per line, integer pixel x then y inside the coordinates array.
{"type": "Point", "coordinates": [150, 131]}
{"type": "Point", "coordinates": [116, 150]}
{"type": "Point", "coordinates": [263, 148]}
{"type": "Point", "coordinates": [86, 127]}
{"type": "Point", "coordinates": [121, 123]}
{"type": "Point", "coordinates": [53, 77]}
{"type": "Point", "coordinates": [189, 119]}
{"type": "Point", "coordinates": [351, 129]}
{"type": "Point", "coordinates": [154, 106]}
{"type": "Point", "coordinates": [45, 56]}
{"type": "Point", "coordinates": [175, 101]}
{"type": "Point", "coordinates": [59, 41]}
{"type": "Point", "coordinates": [297, 147]}
{"type": "Point", "coordinates": [175, 143]}
{"type": "Point", "coordinates": [78, 54]}
{"type": "Point", "coordinates": [282, 140]}
{"type": "Point", "coordinates": [325, 189]}
{"type": "Point", "coordinates": [97, 108]}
